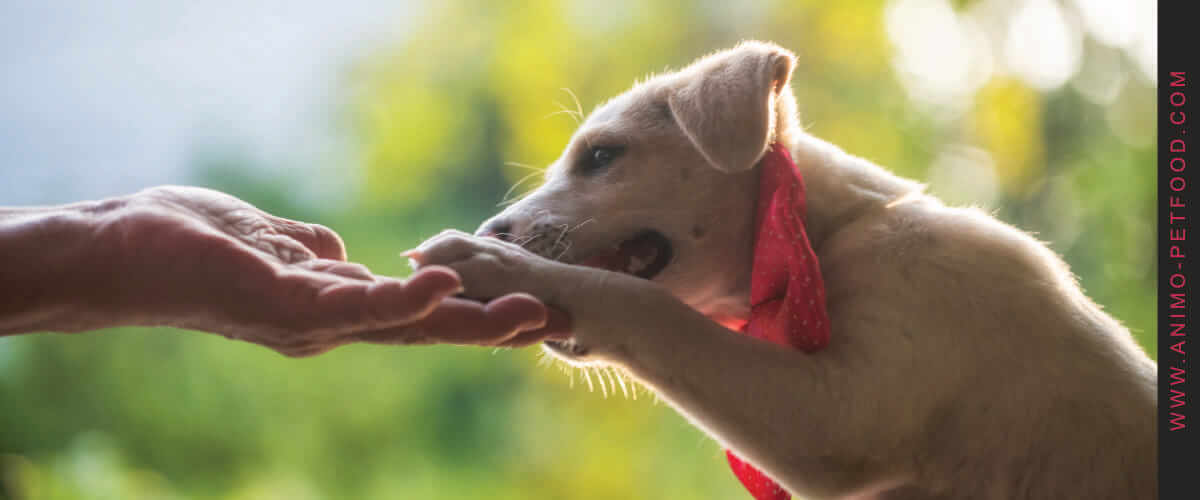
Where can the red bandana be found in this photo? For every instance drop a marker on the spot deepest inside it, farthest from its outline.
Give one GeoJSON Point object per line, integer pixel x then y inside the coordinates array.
{"type": "Point", "coordinates": [787, 295]}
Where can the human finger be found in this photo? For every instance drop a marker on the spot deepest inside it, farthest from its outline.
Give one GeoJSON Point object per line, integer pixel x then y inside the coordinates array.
{"type": "Point", "coordinates": [321, 240]}
{"type": "Point", "coordinates": [466, 322]}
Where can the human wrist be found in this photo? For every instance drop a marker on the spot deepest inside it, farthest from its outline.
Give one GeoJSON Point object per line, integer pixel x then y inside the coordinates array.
{"type": "Point", "coordinates": [49, 260]}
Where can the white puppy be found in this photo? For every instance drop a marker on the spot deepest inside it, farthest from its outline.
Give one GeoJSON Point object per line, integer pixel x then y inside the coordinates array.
{"type": "Point", "coordinates": [965, 362]}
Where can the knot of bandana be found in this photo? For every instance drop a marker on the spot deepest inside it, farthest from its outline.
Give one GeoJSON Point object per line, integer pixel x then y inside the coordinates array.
{"type": "Point", "coordinates": [787, 294]}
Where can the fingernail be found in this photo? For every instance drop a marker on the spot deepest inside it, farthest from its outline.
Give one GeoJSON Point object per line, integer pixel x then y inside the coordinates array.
{"type": "Point", "coordinates": [414, 258]}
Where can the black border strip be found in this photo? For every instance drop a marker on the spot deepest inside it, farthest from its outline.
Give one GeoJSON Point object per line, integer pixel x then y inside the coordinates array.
{"type": "Point", "coordinates": [1178, 473]}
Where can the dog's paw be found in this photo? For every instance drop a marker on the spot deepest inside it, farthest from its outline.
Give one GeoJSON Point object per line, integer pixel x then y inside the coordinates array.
{"type": "Point", "coordinates": [607, 309]}
{"type": "Point", "coordinates": [488, 267]}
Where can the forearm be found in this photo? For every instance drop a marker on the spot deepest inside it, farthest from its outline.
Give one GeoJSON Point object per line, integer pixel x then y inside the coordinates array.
{"type": "Point", "coordinates": [42, 263]}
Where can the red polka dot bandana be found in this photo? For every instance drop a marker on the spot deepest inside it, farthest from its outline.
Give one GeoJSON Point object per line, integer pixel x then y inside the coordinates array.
{"type": "Point", "coordinates": [787, 295]}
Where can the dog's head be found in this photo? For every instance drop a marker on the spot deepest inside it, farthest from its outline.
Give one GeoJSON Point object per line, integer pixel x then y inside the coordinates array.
{"type": "Point", "coordinates": [660, 183]}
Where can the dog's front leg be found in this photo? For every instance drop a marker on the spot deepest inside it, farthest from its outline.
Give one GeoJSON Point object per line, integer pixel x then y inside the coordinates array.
{"type": "Point", "coordinates": [798, 417]}
{"type": "Point", "coordinates": [784, 411]}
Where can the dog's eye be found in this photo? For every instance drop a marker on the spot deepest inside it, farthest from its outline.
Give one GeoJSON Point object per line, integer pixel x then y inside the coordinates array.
{"type": "Point", "coordinates": [599, 158]}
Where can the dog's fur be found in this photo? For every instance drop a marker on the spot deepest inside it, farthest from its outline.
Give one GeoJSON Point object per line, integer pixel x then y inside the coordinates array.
{"type": "Point", "coordinates": [965, 361]}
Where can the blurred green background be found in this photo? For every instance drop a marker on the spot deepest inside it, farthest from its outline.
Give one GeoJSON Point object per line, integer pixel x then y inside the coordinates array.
{"type": "Point", "coordinates": [390, 121]}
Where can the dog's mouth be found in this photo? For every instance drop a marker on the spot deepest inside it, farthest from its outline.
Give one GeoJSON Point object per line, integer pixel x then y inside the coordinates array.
{"type": "Point", "coordinates": [644, 255]}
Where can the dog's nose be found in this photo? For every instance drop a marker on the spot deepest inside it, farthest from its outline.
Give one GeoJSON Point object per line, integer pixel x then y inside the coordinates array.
{"type": "Point", "coordinates": [496, 228]}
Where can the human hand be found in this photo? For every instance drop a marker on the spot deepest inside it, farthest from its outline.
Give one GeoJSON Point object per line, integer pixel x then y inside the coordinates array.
{"type": "Point", "coordinates": [200, 259]}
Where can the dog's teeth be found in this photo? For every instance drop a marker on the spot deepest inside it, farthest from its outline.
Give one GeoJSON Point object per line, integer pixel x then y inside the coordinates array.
{"type": "Point", "coordinates": [635, 265]}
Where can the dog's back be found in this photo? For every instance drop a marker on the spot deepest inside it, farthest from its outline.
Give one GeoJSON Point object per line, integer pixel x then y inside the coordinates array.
{"type": "Point", "coordinates": [1026, 388]}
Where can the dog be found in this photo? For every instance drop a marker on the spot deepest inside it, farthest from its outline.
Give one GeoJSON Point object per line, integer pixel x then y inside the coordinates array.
{"type": "Point", "coordinates": [964, 360]}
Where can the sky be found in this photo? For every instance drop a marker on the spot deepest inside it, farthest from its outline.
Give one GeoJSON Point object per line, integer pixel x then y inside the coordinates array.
{"type": "Point", "coordinates": [103, 98]}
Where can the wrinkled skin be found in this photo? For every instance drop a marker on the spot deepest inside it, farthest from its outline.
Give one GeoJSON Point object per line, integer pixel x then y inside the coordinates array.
{"type": "Point", "coordinates": [199, 259]}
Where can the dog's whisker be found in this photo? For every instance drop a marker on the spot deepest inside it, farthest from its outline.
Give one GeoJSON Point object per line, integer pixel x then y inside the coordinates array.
{"type": "Point", "coordinates": [588, 377]}
{"type": "Point", "coordinates": [620, 380]}
{"type": "Point", "coordinates": [585, 221]}
{"type": "Point", "coordinates": [578, 106]}
{"type": "Point", "coordinates": [515, 199]}
{"type": "Point", "coordinates": [566, 243]}
{"type": "Point", "coordinates": [600, 381]}
{"type": "Point", "coordinates": [558, 242]}
{"type": "Point", "coordinates": [572, 113]}
{"type": "Point", "coordinates": [566, 248]}
{"type": "Point", "coordinates": [524, 165]}
{"type": "Point", "coordinates": [510, 202]}
{"type": "Point", "coordinates": [561, 234]}
{"type": "Point", "coordinates": [611, 380]}
{"type": "Point", "coordinates": [527, 239]}
{"type": "Point", "coordinates": [514, 187]}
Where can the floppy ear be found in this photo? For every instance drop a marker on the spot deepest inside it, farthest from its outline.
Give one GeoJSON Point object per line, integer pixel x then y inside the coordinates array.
{"type": "Point", "coordinates": [725, 103]}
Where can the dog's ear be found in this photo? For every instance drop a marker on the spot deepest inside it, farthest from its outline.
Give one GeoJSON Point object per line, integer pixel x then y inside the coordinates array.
{"type": "Point", "coordinates": [725, 103]}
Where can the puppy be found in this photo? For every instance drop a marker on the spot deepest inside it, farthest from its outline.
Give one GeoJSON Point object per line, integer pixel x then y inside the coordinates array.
{"type": "Point", "coordinates": [964, 362]}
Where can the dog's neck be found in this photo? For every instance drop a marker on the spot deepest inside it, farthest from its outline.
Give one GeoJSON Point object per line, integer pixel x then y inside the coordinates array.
{"type": "Point", "coordinates": [841, 188]}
